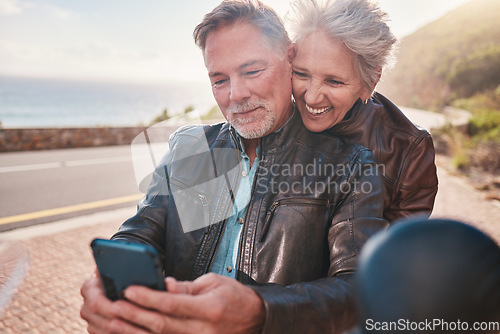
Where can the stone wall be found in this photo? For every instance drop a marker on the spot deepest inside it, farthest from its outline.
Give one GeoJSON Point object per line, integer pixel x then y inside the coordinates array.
{"type": "Point", "coordinates": [55, 138]}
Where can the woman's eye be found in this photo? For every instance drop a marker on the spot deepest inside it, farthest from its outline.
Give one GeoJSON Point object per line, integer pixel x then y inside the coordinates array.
{"type": "Point", "coordinates": [334, 82]}
{"type": "Point", "coordinates": [300, 74]}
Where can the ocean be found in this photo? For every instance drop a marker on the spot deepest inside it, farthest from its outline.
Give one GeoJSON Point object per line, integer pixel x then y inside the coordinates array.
{"type": "Point", "coordinates": [35, 103]}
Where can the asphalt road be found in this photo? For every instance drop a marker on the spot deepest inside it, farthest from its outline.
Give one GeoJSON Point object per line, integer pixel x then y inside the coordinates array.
{"type": "Point", "coordinates": [431, 120]}
{"type": "Point", "coordinates": [43, 186]}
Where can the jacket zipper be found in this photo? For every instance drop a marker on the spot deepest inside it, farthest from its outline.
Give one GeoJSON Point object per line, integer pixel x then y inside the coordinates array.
{"type": "Point", "coordinates": [221, 232]}
{"type": "Point", "coordinates": [297, 201]}
{"type": "Point", "coordinates": [219, 236]}
{"type": "Point", "coordinates": [240, 245]}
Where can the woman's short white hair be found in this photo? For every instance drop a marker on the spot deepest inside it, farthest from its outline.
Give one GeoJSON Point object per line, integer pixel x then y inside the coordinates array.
{"type": "Point", "coordinates": [360, 24]}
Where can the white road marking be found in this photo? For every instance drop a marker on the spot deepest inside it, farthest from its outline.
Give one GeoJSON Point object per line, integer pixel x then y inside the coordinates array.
{"type": "Point", "coordinates": [60, 164]}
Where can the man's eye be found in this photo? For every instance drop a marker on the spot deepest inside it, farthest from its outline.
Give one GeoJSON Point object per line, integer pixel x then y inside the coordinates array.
{"type": "Point", "coordinates": [219, 82]}
{"type": "Point", "coordinates": [253, 72]}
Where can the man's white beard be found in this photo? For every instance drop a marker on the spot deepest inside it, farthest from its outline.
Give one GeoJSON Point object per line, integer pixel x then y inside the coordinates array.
{"type": "Point", "coordinates": [256, 126]}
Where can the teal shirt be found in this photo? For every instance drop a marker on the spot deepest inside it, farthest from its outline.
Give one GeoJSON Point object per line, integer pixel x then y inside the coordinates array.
{"type": "Point", "coordinates": [226, 258]}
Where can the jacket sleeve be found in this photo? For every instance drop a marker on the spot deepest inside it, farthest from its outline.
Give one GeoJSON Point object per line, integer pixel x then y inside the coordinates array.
{"type": "Point", "coordinates": [147, 226]}
{"type": "Point", "coordinates": [326, 305]}
{"type": "Point", "coordinates": [418, 184]}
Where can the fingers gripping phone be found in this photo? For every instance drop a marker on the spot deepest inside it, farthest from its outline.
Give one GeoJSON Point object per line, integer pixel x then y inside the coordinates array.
{"type": "Point", "coordinates": [121, 264]}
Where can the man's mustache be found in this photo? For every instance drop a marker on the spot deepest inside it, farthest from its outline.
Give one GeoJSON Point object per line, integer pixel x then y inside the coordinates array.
{"type": "Point", "coordinates": [247, 106]}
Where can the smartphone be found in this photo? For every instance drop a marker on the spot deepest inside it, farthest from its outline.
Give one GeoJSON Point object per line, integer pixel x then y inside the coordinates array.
{"type": "Point", "coordinates": [121, 264]}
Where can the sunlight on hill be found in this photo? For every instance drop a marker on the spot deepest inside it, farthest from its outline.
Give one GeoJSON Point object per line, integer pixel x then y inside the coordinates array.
{"type": "Point", "coordinates": [453, 57]}
{"type": "Point", "coordinates": [455, 61]}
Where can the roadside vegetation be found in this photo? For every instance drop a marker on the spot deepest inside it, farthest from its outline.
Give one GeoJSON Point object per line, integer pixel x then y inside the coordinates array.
{"type": "Point", "coordinates": [455, 61]}
{"type": "Point", "coordinates": [476, 145]}
{"type": "Point", "coordinates": [212, 116]}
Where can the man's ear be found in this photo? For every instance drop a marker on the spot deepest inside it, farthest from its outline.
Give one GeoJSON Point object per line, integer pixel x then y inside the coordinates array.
{"type": "Point", "coordinates": [291, 52]}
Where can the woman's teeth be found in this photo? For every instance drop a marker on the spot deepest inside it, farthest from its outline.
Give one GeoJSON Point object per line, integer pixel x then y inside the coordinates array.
{"type": "Point", "coordinates": [317, 111]}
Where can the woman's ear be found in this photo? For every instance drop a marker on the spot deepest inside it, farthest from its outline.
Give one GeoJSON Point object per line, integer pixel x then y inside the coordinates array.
{"type": "Point", "coordinates": [379, 74]}
{"type": "Point", "coordinates": [369, 91]}
{"type": "Point", "coordinates": [291, 52]}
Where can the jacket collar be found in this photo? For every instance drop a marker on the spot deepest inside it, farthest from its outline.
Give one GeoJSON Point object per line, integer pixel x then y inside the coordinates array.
{"type": "Point", "coordinates": [284, 135]}
{"type": "Point", "coordinates": [357, 117]}
{"type": "Point", "coordinates": [277, 139]}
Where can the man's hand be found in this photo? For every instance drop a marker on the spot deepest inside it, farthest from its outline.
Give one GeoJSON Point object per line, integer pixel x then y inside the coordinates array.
{"type": "Point", "coordinates": [210, 304]}
{"type": "Point", "coordinates": [101, 314]}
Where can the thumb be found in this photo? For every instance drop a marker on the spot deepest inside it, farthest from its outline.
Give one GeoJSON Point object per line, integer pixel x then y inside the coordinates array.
{"type": "Point", "coordinates": [175, 286]}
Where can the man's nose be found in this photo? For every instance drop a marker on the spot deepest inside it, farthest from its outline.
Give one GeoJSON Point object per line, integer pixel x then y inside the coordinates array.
{"type": "Point", "coordinates": [239, 90]}
{"type": "Point", "coordinates": [314, 94]}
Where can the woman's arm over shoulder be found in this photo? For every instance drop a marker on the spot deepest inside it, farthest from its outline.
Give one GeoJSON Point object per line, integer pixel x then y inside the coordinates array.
{"type": "Point", "coordinates": [328, 302]}
{"type": "Point", "coordinates": [358, 216]}
{"type": "Point", "coordinates": [417, 186]}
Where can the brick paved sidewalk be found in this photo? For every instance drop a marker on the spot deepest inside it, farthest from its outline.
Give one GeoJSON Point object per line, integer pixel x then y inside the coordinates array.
{"type": "Point", "coordinates": [48, 300]}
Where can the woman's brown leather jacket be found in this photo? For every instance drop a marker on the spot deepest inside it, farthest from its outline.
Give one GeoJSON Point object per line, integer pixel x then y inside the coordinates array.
{"type": "Point", "coordinates": [404, 154]}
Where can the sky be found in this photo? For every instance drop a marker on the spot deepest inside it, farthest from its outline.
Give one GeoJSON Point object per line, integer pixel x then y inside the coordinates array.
{"type": "Point", "coordinates": [144, 41]}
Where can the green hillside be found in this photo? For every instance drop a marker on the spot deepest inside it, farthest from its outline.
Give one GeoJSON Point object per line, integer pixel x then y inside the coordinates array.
{"type": "Point", "coordinates": [456, 56]}
{"type": "Point", "coordinates": [455, 61]}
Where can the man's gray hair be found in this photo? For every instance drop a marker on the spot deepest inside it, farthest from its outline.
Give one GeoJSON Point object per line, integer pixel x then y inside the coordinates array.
{"type": "Point", "coordinates": [245, 11]}
{"type": "Point", "coordinates": [360, 24]}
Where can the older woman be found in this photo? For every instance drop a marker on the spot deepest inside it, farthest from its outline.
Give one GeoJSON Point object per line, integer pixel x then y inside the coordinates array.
{"type": "Point", "coordinates": [341, 48]}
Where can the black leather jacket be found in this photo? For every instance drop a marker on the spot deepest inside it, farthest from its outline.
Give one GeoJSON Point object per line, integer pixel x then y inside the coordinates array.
{"type": "Point", "coordinates": [299, 243]}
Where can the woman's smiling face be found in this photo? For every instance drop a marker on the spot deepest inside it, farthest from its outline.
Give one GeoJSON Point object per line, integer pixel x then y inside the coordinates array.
{"type": "Point", "coordinates": [325, 83]}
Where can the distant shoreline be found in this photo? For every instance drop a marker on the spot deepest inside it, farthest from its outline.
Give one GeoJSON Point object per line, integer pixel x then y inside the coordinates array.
{"type": "Point", "coordinates": [53, 103]}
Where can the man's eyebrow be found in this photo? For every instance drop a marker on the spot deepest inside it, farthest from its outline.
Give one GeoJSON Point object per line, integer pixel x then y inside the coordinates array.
{"type": "Point", "coordinates": [250, 63]}
{"type": "Point", "coordinates": [214, 74]}
{"type": "Point", "coordinates": [241, 67]}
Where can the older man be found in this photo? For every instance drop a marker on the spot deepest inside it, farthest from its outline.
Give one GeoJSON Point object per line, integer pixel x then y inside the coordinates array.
{"type": "Point", "coordinates": [272, 246]}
